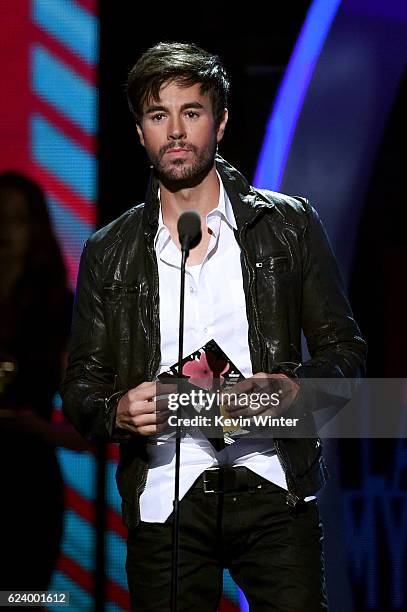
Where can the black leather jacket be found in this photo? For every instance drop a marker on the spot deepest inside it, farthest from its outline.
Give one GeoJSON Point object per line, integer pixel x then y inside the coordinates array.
{"type": "Point", "coordinates": [291, 282]}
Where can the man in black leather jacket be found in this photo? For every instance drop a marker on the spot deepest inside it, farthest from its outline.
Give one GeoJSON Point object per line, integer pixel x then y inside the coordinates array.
{"type": "Point", "coordinates": [291, 283]}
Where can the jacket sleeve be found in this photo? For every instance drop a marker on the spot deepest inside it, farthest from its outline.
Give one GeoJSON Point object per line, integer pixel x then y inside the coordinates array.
{"type": "Point", "coordinates": [334, 340]}
{"type": "Point", "coordinates": [336, 347]}
{"type": "Point", "coordinates": [88, 390]}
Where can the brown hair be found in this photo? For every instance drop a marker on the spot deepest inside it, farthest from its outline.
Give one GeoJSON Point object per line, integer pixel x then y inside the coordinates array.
{"type": "Point", "coordinates": [184, 63]}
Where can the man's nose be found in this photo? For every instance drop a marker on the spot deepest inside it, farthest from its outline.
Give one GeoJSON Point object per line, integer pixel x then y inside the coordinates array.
{"type": "Point", "coordinates": [176, 130]}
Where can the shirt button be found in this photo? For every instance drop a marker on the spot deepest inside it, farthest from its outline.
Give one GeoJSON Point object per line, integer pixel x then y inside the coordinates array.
{"type": "Point", "coordinates": [192, 290]}
{"type": "Point", "coordinates": [205, 330]}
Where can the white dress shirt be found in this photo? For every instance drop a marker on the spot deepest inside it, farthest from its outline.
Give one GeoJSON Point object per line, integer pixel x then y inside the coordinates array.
{"type": "Point", "coordinates": [215, 307]}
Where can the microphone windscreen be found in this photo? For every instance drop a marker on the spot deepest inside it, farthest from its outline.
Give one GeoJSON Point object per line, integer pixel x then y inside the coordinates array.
{"type": "Point", "coordinates": [189, 226]}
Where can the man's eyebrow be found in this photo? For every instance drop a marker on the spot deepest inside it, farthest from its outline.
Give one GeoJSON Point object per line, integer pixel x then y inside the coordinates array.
{"type": "Point", "coordinates": [192, 105]}
{"type": "Point", "coordinates": [154, 108]}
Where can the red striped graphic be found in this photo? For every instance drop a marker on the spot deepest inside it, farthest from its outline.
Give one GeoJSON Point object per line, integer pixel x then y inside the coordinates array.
{"type": "Point", "coordinates": [86, 510]}
{"type": "Point", "coordinates": [83, 507]}
{"type": "Point", "coordinates": [65, 125]}
{"type": "Point", "coordinates": [72, 268]}
{"type": "Point", "coordinates": [76, 573]}
{"type": "Point", "coordinates": [117, 594]}
{"type": "Point", "coordinates": [112, 452]}
{"type": "Point", "coordinates": [114, 523]}
{"type": "Point", "coordinates": [84, 209]}
{"type": "Point", "coordinates": [88, 5]}
{"type": "Point", "coordinates": [85, 580]}
{"type": "Point", "coordinates": [77, 64]}
{"type": "Point", "coordinates": [228, 606]}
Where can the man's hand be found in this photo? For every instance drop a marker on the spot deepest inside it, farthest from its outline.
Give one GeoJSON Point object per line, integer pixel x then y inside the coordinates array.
{"type": "Point", "coordinates": [139, 412]}
{"type": "Point", "coordinates": [261, 383]}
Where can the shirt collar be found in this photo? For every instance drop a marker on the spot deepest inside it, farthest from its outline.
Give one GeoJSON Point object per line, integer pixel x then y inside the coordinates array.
{"type": "Point", "coordinates": [224, 207]}
{"type": "Point", "coordinates": [163, 235]}
{"type": "Point", "coordinates": [224, 210]}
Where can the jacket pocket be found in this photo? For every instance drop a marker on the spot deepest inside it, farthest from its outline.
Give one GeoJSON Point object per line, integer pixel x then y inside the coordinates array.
{"type": "Point", "coordinates": [276, 264]}
{"type": "Point", "coordinates": [118, 290]}
{"type": "Point", "coordinates": [123, 306]}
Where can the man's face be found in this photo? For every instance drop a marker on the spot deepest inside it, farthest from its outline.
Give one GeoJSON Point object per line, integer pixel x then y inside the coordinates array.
{"type": "Point", "coordinates": [179, 133]}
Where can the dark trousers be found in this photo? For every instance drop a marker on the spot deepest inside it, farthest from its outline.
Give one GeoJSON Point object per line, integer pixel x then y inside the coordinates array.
{"type": "Point", "coordinates": [272, 552]}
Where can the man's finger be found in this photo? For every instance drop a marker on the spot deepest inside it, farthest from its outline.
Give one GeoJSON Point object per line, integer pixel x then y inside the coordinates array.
{"type": "Point", "coordinates": [144, 391]}
{"type": "Point", "coordinates": [241, 387]}
{"type": "Point", "coordinates": [141, 407]}
{"type": "Point", "coordinates": [141, 420]}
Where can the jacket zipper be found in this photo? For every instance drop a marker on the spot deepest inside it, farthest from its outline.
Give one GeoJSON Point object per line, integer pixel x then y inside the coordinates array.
{"type": "Point", "coordinates": [251, 280]}
{"type": "Point", "coordinates": [291, 498]}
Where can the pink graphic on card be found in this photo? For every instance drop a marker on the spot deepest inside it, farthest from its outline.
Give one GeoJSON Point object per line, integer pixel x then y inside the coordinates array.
{"type": "Point", "coordinates": [202, 372]}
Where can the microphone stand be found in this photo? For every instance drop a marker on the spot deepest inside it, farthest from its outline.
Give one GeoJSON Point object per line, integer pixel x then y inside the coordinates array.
{"type": "Point", "coordinates": [175, 528]}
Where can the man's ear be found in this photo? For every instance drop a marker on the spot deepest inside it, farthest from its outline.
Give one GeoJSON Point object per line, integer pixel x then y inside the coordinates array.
{"type": "Point", "coordinates": [222, 126]}
{"type": "Point", "coordinates": [140, 134]}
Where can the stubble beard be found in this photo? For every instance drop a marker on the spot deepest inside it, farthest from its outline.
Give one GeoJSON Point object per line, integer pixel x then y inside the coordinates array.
{"type": "Point", "coordinates": [181, 173]}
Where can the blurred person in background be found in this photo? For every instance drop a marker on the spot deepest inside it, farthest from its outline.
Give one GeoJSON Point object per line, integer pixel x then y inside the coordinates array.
{"type": "Point", "coordinates": [35, 315]}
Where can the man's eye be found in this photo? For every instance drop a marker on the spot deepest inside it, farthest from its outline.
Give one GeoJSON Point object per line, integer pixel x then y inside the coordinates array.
{"type": "Point", "coordinates": [192, 114]}
{"type": "Point", "coordinates": [157, 117]}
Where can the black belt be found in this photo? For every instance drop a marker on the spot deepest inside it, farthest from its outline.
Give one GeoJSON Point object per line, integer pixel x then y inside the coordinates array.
{"type": "Point", "coordinates": [227, 479]}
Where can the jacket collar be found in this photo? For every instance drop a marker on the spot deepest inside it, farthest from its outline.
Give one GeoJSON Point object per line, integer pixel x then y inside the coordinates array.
{"type": "Point", "coordinates": [246, 201]}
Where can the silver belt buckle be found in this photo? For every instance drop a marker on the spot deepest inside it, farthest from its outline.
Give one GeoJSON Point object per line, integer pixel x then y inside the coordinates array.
{"type": "Point", "coordinates": [292, 499]}
{"type": "Point", "coordinates": [212, 469]}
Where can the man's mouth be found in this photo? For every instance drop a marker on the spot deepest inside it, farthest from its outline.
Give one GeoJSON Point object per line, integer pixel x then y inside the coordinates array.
{"type": "Point", "coordinates": [177, 151]}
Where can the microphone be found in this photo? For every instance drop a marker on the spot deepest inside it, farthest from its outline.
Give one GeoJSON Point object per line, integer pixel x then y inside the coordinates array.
{"type": "Point", "coordinates": [189, 230]}
{"type": "Point", "coordinates": [189, 234]}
